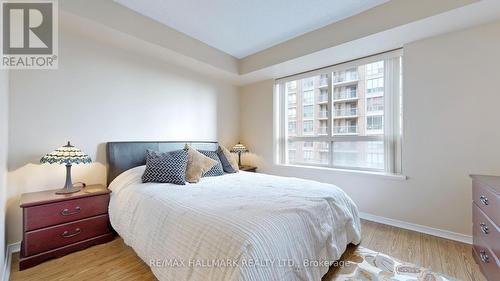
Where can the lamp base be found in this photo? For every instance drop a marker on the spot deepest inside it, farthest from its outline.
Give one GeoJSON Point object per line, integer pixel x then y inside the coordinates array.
{"type": "Point", "coordinates": [68, 186]}
{"type": "Point", "coordinates": [65, 190]}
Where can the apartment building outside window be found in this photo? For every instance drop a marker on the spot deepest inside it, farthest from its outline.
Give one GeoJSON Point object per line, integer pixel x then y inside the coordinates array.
{"type": "Point", "coordinates": [292, 127]}
{"type": "Point", "coordinates": [308, 111]}
{"type": "Point", "coordinates": [308, 97]}
{"type": "Point", "coordinates": [308, 127]}
{"type": "Point", "coordinates": [349, 115]}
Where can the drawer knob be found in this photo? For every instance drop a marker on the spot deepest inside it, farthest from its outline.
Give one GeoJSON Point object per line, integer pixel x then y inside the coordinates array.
{"type": "Point", "coordinates": [67, 212]}
{"type": "Point", "coordinates": [67, 234]}
{"type": "Point", "coordinates": [484, 228]}
{"type": "Point", "coordinates": [484, 257]}
{"type": "Point", "coordinates": [484, 199]}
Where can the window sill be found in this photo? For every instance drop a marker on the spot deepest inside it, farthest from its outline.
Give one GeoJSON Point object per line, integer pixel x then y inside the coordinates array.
{"type": "Point", "coordinates": [350, 172]}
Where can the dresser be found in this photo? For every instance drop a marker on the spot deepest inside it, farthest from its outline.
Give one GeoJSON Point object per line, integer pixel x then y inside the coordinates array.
{"type": "Point", "coordinates": [56, 225]}
{"type": "Point", "coordinates": [486, 222]}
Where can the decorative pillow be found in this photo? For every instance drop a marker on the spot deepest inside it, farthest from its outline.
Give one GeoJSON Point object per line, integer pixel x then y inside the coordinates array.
{"type": "Point", "coordinates": [166, 167]}
{"type": "Point", "coordinates": [197, 165]}
{"type": "Point", "coordinates": [216, 170]}
{"type": "Point", "coordinates": [229, 163]}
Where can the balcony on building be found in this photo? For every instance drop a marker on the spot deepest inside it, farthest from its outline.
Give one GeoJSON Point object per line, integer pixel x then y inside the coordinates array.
{"type": "Point", "coordinates": [345, 95]}
{"type": "Point", "coordinates": [374, 130]}
{"type": "Point", "coordinates": [323, 82]}
{"type": "Point", "coordinates": [323, 98]}
{"type": "Point", "coordinates": [324, 147]}
{"type": "Point", "coordinates": [323, 114]}
{"type": "Point", "coordinates": [346, 112]}
{"type": "Point", "coordinates": [375, 109]}
{"type": "Point", "coordinates": [345, 77]}
{"type": "Point", "coordinates": [375, 93]}
{"type": "Point", "coordinates": [345, 130]}
{"type": "Point", "coordinates": [323, 130]}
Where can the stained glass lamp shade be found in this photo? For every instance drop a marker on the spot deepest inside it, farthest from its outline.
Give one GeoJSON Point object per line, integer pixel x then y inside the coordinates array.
{"type": "Point", "coordinates": [239, 148]}
{"type": "Point", "coordinates": [67, 155]}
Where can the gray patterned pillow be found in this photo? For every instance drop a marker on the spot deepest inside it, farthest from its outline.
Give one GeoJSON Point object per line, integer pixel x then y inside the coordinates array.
{"type": "Point", "coordinates": [226, 165]}
{"type": "Point", "coordinates": [216, 170]}
{"type": "Point", "coordinates": [166, 167]}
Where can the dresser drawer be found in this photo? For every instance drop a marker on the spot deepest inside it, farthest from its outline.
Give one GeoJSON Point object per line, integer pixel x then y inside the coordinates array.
{"type": "Point", "coordinates": [487, 200]}
{"type": "Point", "coordinates": [489, 263]}
{"type": "Point", "coordinates": [486, 229]}
{"type": "Point", "coordinates": [40, 216]}
{"type": "Point", "coordinates": [45, 239]}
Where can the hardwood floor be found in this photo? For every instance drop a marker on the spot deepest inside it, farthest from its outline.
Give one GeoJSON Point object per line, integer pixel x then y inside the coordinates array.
{"type": "Point", "coordinates": [116, 261]}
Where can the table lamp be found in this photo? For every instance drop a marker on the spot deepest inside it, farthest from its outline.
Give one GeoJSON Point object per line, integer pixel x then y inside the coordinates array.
{"type": "Point", "coordinates": [67, 155]}
{"type": "Point", "coordinates": [239, 148]}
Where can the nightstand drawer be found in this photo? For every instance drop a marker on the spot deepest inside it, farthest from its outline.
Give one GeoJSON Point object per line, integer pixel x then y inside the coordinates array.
{"type": "Point", "coordinates": [45, 239]}
{"type": "Point", "coordinates": [56, 213]}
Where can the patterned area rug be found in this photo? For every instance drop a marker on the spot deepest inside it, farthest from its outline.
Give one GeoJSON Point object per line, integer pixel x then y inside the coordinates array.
{"type": "Point", "coordinates": [368, 265]}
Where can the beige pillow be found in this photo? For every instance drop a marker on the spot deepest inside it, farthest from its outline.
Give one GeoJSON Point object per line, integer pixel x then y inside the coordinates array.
{"type": "Point", "coordinates": [197, 165]}
{"type": "Point", "coordinates": [232, 158]}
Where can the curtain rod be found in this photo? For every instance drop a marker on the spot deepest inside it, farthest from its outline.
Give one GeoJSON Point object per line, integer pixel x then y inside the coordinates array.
{"type": "Point", "coordinates": [332, 65]}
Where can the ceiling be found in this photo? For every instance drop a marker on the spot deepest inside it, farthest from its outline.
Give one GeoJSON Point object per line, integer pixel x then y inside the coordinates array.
{"type": "Point", "coordinates": [244, 27]}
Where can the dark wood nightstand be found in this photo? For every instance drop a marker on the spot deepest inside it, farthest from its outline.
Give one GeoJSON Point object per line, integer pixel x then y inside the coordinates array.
{"type": "Point", "coordinates": [56, 225]}
{"type": "Point", "coordinates": [248, 168]}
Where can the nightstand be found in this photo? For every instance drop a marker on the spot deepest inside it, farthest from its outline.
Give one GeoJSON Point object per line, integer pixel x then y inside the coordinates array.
{"type": "Point", "coordinates": [248, 168]}
{"type": "Point", "coordinates": [56, 225]}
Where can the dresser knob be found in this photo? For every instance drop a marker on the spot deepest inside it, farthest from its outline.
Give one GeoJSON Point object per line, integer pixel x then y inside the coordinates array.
{"type": "Point", "coordinates": [67, 212]}
{"type": "Point", "coordinates": [66, 233]}
{"type": "Point", "coordinates": [484, 199]}
{"type": "Point", "coordinates": [484, 228]}
{"type": "Point", "coordinates": [484, 257]}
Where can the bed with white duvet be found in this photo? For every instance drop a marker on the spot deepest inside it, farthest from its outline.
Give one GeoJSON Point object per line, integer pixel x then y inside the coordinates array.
{"type": "Point", "coordinates": [243, 226]}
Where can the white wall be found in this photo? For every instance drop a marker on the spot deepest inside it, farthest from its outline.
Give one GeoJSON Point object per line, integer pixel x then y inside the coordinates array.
{"type": "Point", "coordinates": [4, 89]}
{"type": "Point", "coordinates": [451, 119]}
{"type": "Point", "coordinates": [103, 93]}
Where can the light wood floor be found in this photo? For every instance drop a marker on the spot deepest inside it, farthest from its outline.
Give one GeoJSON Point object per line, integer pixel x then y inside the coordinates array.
{"type": "Point", "coordinates": [115, 261]}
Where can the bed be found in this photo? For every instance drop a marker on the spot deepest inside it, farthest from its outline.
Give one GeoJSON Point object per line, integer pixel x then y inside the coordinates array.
{"type": "Point", "coordinates": [243, 226]}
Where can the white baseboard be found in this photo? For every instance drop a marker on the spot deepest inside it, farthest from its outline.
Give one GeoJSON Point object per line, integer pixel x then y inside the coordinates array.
{"type": "Point", "coordinates": [419, 228]}
{"type": "Point", "coordinates": [10, 249]}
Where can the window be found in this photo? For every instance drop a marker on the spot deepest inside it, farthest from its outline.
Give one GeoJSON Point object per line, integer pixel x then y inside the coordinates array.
{"type": "Point", "coordinates": [308, 111]}
{"type": "Point", "coordinates": [308, 127]}
{"type": "Point", "coordinates": [292, 99]}
{"type": "Point", "coordinates": [375, 123]}
{"type": "Point", "coordinates": [362, 154]}
{"type": "Point", "coordinates": [308, 155]}
{"type": "Point", "coordinates": [308, 97]}
{"type": "Point", "coordinates": [375, 85]}
{"type": "Point", "coordinates": [292, 127]}
{"type": "Point", "coordinates": [307, 84]}
{"type": "Point", "coordinates": [362, 132]}
{"type": "Point", "coordinates": [323, 95]}
{"type": "Point", "coordinates": [374, 105]}
{"type": "Point", "coordinates": [375, 68]}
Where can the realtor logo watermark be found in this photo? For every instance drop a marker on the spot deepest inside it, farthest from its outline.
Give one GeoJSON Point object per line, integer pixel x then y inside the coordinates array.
{"type": "Point", "coordinates": [29, 34]}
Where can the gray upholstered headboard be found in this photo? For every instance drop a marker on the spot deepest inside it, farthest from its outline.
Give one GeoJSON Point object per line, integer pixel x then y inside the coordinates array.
{"type": "Point", "coordinates": [122, 156]}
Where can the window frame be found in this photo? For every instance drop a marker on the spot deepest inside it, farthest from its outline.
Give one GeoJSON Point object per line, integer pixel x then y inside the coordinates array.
{"type": "Point", "coordinates": [392, 117]}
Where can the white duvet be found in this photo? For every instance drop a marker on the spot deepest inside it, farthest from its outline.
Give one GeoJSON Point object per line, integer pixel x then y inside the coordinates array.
{"type": "Point", "coordinates": [243, 226]}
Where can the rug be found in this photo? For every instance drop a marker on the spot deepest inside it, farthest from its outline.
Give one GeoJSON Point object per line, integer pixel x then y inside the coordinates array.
{"type": "Point", "coordinates": [367, 265]}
